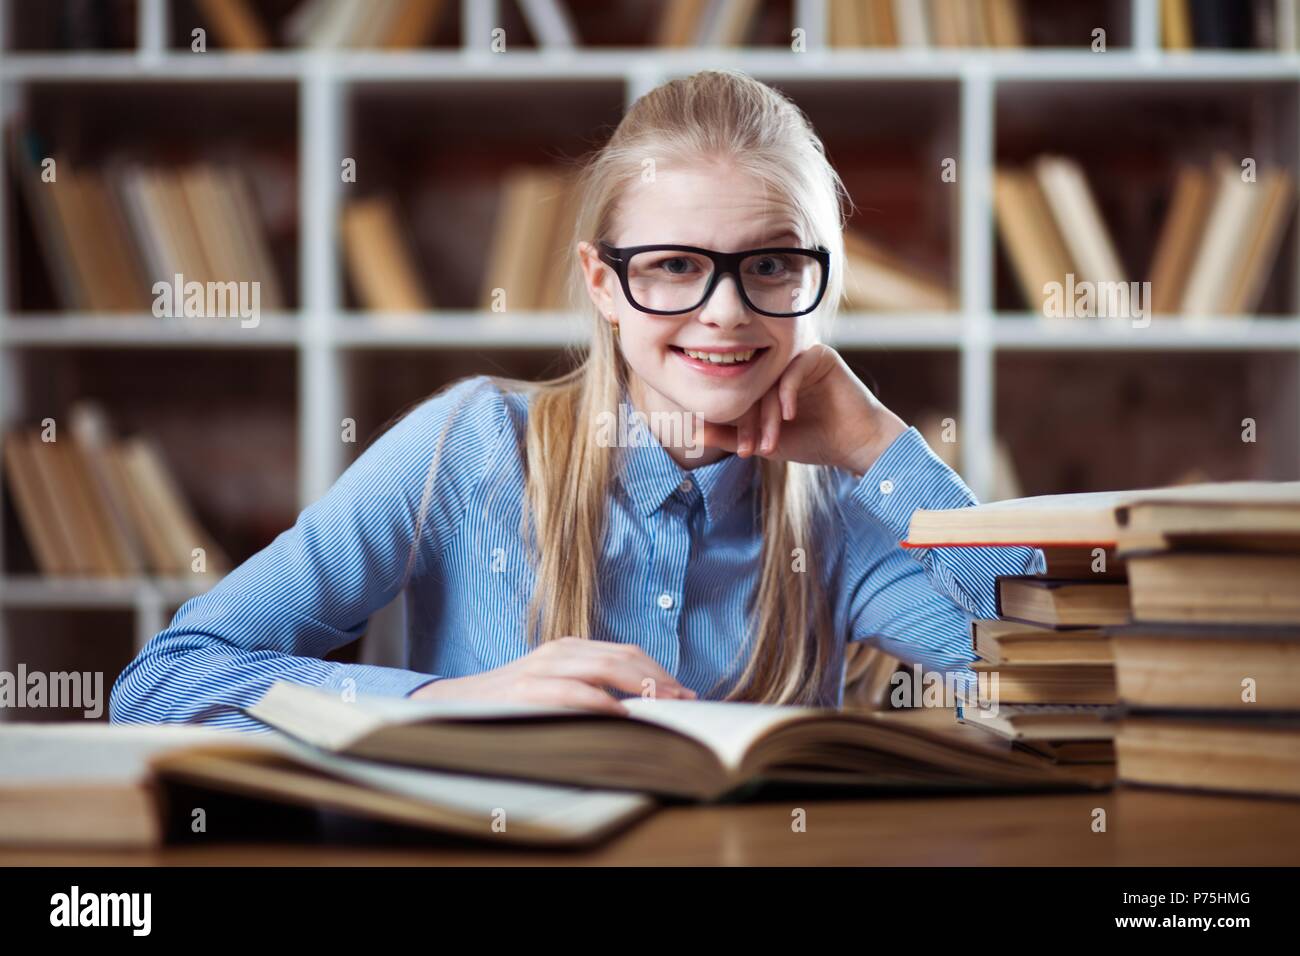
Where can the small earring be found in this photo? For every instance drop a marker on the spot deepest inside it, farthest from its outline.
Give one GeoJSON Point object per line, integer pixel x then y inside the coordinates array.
{"type": "Point", "coordinates": [613, 325]}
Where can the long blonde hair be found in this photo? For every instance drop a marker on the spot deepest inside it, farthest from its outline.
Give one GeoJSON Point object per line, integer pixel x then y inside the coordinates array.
{"type": "Point", "coordinates": [790, 654]}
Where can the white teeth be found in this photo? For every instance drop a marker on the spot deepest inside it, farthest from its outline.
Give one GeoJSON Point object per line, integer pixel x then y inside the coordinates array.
{"type": "Point", "coordinates": [722, 358]}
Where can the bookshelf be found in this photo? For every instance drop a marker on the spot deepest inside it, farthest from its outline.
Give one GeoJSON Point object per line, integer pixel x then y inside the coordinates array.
{"type": "Point", "coordinates": [307, 368]}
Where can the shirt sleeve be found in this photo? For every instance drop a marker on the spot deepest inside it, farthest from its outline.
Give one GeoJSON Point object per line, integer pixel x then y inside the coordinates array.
{"type": "Point", "coordinates": [314, 588]}
{"type": "Point", "coordinates": [917, 603]}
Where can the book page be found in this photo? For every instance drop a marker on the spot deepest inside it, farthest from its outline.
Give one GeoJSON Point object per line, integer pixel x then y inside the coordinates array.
{"type": "Point", "coordinates": [326, 719]}
{"type": "Point", "coordinates": [726, 727]}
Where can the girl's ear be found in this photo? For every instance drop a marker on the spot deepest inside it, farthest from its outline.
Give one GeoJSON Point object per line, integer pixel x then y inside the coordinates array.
{"type": "Point", "coordinates": [599, 279]}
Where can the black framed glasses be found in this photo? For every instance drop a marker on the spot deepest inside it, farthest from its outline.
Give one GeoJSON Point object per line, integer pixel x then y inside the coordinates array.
{"type": "Point", "coordinates": [781, 282]}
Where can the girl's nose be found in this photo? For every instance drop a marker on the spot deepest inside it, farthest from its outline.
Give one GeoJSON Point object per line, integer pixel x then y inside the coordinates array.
{"type": "Point", "coordinates": [725, 307]}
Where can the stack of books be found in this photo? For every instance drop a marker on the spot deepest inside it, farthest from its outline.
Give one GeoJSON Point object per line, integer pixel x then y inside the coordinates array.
{"type": "Point", "coordinates": [95, 506]}
{"type": "Point", "coordinates": [1209, 668]}
{"type": "Point", "coordinates": [1204, 644]}
{"type": "Point", "coordinates": [1046, 676]}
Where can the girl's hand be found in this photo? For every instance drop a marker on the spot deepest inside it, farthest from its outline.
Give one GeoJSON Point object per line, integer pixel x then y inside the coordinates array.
{"type": "Point", "coordinates": [569, 672]}
{"type": "Point", "coordinates": [818, 412]}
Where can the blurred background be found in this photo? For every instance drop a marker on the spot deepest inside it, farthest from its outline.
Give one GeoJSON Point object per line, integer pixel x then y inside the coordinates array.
{"type": "Point", "coordinates": [380, 167]}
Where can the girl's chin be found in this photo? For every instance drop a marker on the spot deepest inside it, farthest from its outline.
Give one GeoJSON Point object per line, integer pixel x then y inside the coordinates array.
{"type": "Point", "coordinates": [721, 406]}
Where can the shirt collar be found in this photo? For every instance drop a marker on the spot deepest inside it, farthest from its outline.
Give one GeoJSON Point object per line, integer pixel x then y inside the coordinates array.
{"type": "Point", "coordinates": [650, 475]}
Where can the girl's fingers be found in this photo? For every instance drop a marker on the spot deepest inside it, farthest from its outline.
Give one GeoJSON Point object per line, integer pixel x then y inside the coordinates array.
{"type": "Point", "coordinates": [628, 667]}
{"type": "Point", "coordinates": [625, 666]}
{"type": "Point", "coordinates": [770, 416]}
{"type": "Point", "coordinates": [747, 432]}
{"type": "Point", "coordinates": [567, 692]}
{"type": "Point", "coordinates": [623, 675]}
{"type": "Point", "coordinates": [792, 379]}
{"type": "Point", "coordinates": [719, 436]}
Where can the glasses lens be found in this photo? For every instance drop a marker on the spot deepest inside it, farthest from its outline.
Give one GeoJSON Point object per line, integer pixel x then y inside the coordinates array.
{"type": "Point", "coordinates": [784, 283]}
{"type": "Point", "coordinates": [668, 280]}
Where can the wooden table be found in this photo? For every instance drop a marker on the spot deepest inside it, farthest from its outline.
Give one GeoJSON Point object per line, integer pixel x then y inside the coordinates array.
{"type": "Point", "coordinates": [1143, 827]}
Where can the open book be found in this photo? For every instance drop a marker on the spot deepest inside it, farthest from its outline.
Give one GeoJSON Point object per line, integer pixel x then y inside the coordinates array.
{"type": "Point", "coordinates": [700, 750]}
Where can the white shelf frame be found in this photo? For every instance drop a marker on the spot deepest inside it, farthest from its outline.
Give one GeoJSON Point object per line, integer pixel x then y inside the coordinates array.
{"type": "Point", "coordinates": [324, 336]}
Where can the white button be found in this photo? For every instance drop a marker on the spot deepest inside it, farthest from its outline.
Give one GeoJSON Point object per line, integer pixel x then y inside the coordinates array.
{"type": "Point", "coordinates": [665, 600]}
{"type": "Point", "coordinates": [886, 487]}
{"type": "Point", "coordinates": [686, 485]}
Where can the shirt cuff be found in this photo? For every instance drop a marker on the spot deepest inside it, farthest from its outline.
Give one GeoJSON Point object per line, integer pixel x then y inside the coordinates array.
{"type": "Point", "coordinates": [376, 681]}
{"type": "Point", "coordinates": [907, 477]}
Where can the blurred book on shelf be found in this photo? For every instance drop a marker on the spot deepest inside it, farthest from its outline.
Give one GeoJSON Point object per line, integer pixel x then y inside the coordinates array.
{"type": "Point", "coordinates": [1073, 206]}
{"type": "Point", "coordinates": [875, 280]}
{"type": "Point", "coordinates": [108, 234]}
{"type": "Point", "coordinates": [1237, 225]}
{"type": "Point", "coordinates": [923, 23]}
{"type": "Point", "coordinates": [1029, 233]}
{"type": "Point", "coordinates": [1229, 24]}
{"type": "Point", "coordinates": [1052, 228]}
{"type": "Point", "coordinates": [1214, 254]}
{"type": "Point", "coordinates": [528, 254]}
{"type": "Point", "coordinates": [380, 24]}
{"type": "Point", "coordinates": [384, 276]}
{"type": "Point", "coordinates": [93, 505]}
{"type": "Point", "coordinates": [687, 23]}
{"type": "Point", "coordinates": [236, 24]}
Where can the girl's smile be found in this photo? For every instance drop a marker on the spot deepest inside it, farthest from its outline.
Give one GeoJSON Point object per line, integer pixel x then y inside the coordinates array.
{"type": "Point", "coordinates": [720, 361]}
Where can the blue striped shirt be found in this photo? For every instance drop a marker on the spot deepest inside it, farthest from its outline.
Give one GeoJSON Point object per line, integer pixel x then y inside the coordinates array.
{"type": "Point", "coordinates": [677, 574]}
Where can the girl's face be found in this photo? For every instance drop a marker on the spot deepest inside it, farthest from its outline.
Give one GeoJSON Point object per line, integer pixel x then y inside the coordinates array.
{"type": "Point", "coordinates": [716, 208]}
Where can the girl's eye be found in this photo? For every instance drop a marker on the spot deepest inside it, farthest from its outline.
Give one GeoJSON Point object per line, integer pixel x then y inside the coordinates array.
{"type": "Point", "coordinates": [768, 266]}
{"type": "Point", "coordinates": [677, 266]}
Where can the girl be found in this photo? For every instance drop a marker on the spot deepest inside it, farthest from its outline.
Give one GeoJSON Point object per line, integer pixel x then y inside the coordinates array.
{"type": "Point", "coordinates": [549, 558]}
